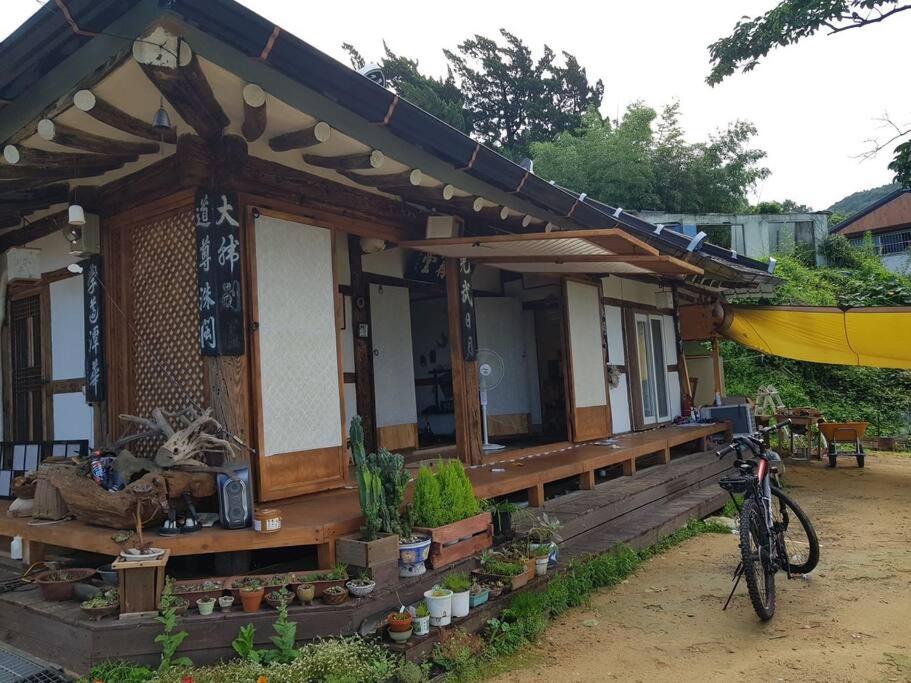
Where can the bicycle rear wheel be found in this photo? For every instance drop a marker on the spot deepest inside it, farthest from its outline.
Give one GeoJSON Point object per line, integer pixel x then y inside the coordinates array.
{"type": "Point", "coordinates": [801, 545]}
{"type": "Point", "coordinates": [754, 553]}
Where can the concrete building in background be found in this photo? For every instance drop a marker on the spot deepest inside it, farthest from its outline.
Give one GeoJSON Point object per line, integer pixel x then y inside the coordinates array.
{"type": "Point", "coordinates": [889, 222]}
{"type": "Point", "coordinates": [757, 235]}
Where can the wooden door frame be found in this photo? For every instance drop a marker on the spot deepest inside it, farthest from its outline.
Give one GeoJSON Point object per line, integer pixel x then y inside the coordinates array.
{"type": "Point", "coordinates": [264, 487]}
{"type": "Point", "coordinates": [569, 376]}
{"type": "Point", "coordinates": [637, 413]}
{"type": "Point", "coordinates": [15, 292]}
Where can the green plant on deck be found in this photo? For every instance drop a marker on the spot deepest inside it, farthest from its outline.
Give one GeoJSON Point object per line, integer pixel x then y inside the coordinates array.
{"type": "Point", "coordinates": [381, 483]}
{"type": "Point", "coordinates": [426, 506]}
{"type": "Point", "coordinates": [284, 638]}
{"type": "Point", "coordinates": [422, 610]}
{"type": "Point", "coordinates": [169, 638]}
{"type": "Point", "coordinates": [113, 671]}
{"type": "Point", "coordinates": [243, 644]}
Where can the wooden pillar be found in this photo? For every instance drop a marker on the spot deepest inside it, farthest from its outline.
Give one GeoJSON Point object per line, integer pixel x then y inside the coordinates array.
{"type": "Point", "coordinates": [536, 495]}
{"type": "Point", "coordinates": [363, 344]}
{"type": "Point", "coordinates": [716, 367]}
{"type": "Point", "coordinates": [629, 467]}
{"type": "Point", "coordinates": [325, 555]}
{"type": "Point", "coordinates": [587, 480]}
{"type": "Point", "coordinates": [683, 372]}
{"type": "Point", "coordinates": [466, 400]}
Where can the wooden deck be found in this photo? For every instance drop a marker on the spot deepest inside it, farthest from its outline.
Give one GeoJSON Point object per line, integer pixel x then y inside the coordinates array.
{"type": "Point", "coordinates": [318, 519]}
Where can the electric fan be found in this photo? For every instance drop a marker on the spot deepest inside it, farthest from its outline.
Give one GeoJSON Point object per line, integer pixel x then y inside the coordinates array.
{"type": "Point", "coordinates": [491, 371]}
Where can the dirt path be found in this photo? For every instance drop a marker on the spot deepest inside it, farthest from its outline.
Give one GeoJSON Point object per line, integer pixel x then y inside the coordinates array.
{"type": "Point", "coordinates": [850, 621]}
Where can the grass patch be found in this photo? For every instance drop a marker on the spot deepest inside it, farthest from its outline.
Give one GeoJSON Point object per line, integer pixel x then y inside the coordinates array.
{"type": "Point", "coordinates": [502, 646]}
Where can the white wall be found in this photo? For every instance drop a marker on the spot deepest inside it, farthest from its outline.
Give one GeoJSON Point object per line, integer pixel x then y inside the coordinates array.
{"type": "Point", "coordinates": [633, 291]}
{"type": "Point", "coordinates": [389, 262]}
{"type": "Point", "coordinates": [393, 361]}
{"type": "Point", "coordinates": [670, 355]}
{"type": "Point", "coordinates": [67, 329]}
{"type": "Point", "coordinates": [531, 366]}
{"type": "Point", "coordinates": [72, 418]}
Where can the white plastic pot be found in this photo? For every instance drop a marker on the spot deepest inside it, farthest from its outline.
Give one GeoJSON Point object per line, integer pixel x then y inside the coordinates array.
{"type": "Point", "coordinates": [541, 565]}
{"type": "Point", "coordinates": [440, 607]}
{"type": "Point", "coordinates": [460, 604]}
{"type": "Point", "coordinates": [421, 625]}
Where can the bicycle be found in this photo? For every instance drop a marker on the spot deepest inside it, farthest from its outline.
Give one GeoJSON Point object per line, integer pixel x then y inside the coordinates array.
{"type": "Point", "coordinates": [769, 540]}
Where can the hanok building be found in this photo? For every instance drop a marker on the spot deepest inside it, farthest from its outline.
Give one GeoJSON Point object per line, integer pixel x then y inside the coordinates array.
{"type": "Point", "coordinates": [275, 236]}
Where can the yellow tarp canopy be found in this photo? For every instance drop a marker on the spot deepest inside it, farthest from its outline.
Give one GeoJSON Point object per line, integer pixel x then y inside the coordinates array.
{"type": "Point", "coordinates": [873, 337]}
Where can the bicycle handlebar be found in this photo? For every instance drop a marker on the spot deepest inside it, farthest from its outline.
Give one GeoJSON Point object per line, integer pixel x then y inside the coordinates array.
{"type": "Point", "coordinates": [737, 444]}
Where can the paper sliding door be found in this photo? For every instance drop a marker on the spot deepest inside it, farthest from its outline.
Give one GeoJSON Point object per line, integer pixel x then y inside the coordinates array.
{"type": "Point", "coordinates": [589, 407]}
{"type": "Point", "coordinates": [300, 440]}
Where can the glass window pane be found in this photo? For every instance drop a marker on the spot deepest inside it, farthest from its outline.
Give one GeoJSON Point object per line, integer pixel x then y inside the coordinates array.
{"type": "Point", "coordinates": [660, 366]}
{"type": "Point", "coordinates": [646, 378]}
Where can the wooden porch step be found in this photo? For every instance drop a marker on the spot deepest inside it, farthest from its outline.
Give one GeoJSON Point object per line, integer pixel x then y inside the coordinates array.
{"type": "Point", "coordinates": [647, 525]}
{"type": "Point", "coordinates": [583, 510]}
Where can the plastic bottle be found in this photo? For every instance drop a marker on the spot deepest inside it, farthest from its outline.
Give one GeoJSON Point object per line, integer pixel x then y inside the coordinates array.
{"type": "Point", "coordinates": [15, 548]}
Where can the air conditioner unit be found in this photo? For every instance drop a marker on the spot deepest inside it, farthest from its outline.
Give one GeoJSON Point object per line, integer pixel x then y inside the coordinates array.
{"type": "Point", "coordinates": [444, 226]}
{"type": "Point", "coordinates": [88, 241]}
{"type": "Point", "coordinates": [23, 263]}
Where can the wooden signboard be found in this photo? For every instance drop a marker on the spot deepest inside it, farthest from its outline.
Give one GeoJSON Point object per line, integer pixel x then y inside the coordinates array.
{"type": "Point", "coordinates": [425, 267]}
{"type": "Point", "coordinates": [218, 267]}
{"type": "Point", "coordinates": [467, 311]}
{"type": "Point", "coordinates": [93, 298]}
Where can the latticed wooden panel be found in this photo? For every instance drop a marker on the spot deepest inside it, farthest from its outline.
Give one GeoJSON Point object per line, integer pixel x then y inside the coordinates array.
{"type": "Point", "coordinates": [168, 369]}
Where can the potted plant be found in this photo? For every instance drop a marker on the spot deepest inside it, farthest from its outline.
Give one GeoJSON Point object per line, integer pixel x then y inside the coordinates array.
{"type": "Point", "coordinates": [478, 595]}
{"type": "Point", "coordinates": [460, 585]}
{"type": "Point", "coordinates": [60, 584]}
{"type": "Point", "coordinates": [542, 558]}
{"type": "Point", "coordinates": [502, 511]}
{"type": "Point", "coordinates": [421, 621]}
{"type": "Point", "coordinates": [277, 598]}
{"type": "Point", "coordinates": [226, 602]}
{"type": "Point", "coordinates": [305, 593]}
{"type": "Point", "coordinates": [361, 586]}
{"type": "Point", "coordinates": [194, 590]}
{"type": "Point", "coordinates": [335, 577]}
{"type": "Point", "coordinates": [495, 588]}
{"type": "Point", "coordinates": [414, 549]}
{"type": "Point", "coordinates": [544, 530]}
{"type": "Point", "coordinates": [497, 566]}
{"type": "Point", "coordinates": [381, 481]}
{"type": "Point", "coordinates": [399, 624]}
{"type": "Point", "coordinates": [335, 595]}
{"type": "Point", "coordinates": [251, 594]}
{"type": "Point", "coordinates": [439, 603]}
{"type": "Point", "coordinates": [101, 605]}
{"type": "Point", "coordinates": [206, 605]}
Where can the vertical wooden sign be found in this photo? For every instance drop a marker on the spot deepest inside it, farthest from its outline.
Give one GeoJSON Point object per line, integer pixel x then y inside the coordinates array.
{"type": "Point", "coordinates": [218, 268]}
{"type": "Point", "coordinates": [93, 301]}
{"type": "Point", "coordinates": [467, 312]}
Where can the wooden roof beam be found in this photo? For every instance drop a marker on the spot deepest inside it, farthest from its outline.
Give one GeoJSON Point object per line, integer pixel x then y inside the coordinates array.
{"type": "Point", "coordinates": [67, 136]}
{"type": "Point", "coordinates": [100, 110]}
{"type": "Point", "coordinates": [255, 116]}
{"type": "Point", "coordinates": [42, 175]}
{"type": "Point", "coordinates": [348, 162]}
{"type": "Point", "coordinates": [387, 182]}
{"type": "Point", "coordinates": [16, 155]}
{"type": "Point", "coordinates": [316, 134]}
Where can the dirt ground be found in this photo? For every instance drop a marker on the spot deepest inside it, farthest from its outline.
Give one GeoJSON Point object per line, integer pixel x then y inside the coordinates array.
{"type": "Point", "coordinates": [849, 621]}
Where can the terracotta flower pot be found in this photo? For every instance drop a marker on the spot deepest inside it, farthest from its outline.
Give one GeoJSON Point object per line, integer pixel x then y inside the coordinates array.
{"type": "Point", "coordinates": [399, 622]}
{"type": "Point", "coordinates": [59, 585]}
{"type": "Point", "coordinates": [305, 593]}
{"type": "Point", "coordinates": [252, 599]}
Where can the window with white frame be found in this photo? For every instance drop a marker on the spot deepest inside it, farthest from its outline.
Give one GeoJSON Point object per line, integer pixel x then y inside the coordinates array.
{"type": "Point", "coordinates": [652, 368]}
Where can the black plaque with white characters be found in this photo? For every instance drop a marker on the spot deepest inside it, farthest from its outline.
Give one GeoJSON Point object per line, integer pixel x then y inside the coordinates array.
{"type": "Point", "coordinates": [93, 301]}
{"type": "Point", "coordinates": [218, 274]}
{"type": "Point", "coordinates": [467, 315]}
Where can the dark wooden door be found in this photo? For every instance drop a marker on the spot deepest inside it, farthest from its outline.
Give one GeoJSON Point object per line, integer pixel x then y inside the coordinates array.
{"type": "Point", "coordinates": [27, 367]}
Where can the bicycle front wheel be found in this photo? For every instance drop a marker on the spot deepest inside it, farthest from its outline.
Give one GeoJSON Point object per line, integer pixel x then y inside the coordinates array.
{"type": "Point", "coordinates": [754, 552]}
{"type": "Point", "coordinates": [801, 546]}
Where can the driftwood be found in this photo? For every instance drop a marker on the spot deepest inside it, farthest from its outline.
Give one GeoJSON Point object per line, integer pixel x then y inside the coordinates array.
{"type": "Point", "coordinates": [90, 503]}
{"type": "Point", "coordinates": [189, 436]}
{"type": "Point", "coordinates": [24, 485]}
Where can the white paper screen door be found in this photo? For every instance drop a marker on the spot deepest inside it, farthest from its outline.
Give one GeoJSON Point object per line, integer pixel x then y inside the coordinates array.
{"type": "Point", "coordinates": [299, 413]}
{"type": "Point", "coordinates": [589, 409]}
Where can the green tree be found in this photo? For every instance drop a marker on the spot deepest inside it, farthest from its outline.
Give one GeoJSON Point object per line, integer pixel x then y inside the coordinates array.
{"type": "Point", "coordinates": [643, 161]}
{"type": "Point", "coordinates": [497, 91]}
{"type": "Point", "coordinates": [789, 22]}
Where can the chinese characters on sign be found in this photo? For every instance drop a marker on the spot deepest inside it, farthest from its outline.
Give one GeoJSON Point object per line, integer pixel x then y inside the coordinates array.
{"type": "Point", "coordinates": [466, 311]}
{"type": "Point", "coordinates": [93, 296]}
{"type": "Point", "coordinates": [218, 274]}
{"type": "Point", "coordinates": [425, 267]}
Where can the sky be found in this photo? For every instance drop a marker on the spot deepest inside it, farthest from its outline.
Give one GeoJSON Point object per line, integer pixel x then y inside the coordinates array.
{"type": "Point", "coordinates": [816, 104]}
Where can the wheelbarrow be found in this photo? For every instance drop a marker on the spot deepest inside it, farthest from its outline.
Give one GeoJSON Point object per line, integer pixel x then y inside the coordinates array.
{"type": "Point", "coordinates": [844, 432]}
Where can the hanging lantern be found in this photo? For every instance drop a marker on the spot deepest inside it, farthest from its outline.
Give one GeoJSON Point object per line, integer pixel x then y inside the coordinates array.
{"type": "Point", "coordinates": [76, 215]}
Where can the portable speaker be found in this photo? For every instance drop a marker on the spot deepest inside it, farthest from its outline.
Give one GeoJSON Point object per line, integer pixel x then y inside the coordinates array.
{"type": "Point", "coordinates": [235, 504]}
